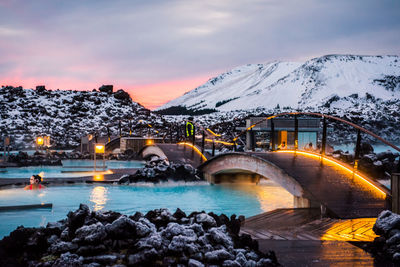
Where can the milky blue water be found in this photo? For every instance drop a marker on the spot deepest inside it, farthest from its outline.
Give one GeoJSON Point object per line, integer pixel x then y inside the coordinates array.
{"type": "Point", "coordinates": [57, 171]}
{"type": "Point", "coordinates": [244, 199]}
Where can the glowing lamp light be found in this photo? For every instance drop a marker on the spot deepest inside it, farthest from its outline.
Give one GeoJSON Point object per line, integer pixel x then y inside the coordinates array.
{"type": "Point", "coordinates": [219, 142]}
{"type": "Point", "coordinates": [99, 148]}
{"type": "Point", "coordinates": [213, 132]}
{"type": "Point", "coordinates": [98, 177]}
{"type": "Point", "coordinates": [39, 141]}
{"type": "Point", "coordinates": [194, 148]}
{"type": "Point", "coordinates": [149, 142]}
{"type": "Point", "coordinates": [338, 164]}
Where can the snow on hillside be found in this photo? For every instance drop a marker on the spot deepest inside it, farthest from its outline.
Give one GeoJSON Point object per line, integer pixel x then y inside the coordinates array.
{"type": "Point", "coordinates": [296, 85]}
{"type": "Point", "coordinates": [361, 89]}
{"type": "Point", "coordinates": [67, 115]}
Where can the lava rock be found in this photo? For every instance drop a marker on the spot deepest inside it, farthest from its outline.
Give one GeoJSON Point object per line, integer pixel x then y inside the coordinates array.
{"type": "Point", "coordinates": [90, 234]}
{"type": "Point", "coordinates": [106, 89]}
{"type": "Point", "coordinates": [160, 170]}
{"type": "Point", "coordinates": [77, 218]}
{"type": "Point", "coordinates": [158, 238]}
{"type": "Point", "coordinates": [121, 228]}
{"type": "Point", "coordinates": [122, 95]}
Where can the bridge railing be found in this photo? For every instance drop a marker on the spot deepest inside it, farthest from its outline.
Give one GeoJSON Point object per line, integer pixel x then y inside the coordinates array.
{"type": "Point", "coordinates": [353, 159]}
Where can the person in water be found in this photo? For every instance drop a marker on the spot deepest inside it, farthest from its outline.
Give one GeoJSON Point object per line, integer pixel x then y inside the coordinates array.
{"type": "Point", "coordinates": [35, 183]}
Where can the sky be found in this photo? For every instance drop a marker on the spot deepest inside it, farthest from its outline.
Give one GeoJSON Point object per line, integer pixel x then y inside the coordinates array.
{"type": "Point", "coordinates": [158, 50]}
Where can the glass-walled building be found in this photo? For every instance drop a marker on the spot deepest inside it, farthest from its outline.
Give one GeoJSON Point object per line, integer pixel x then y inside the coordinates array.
{"type": "Point", "coordinates": [260, 136]}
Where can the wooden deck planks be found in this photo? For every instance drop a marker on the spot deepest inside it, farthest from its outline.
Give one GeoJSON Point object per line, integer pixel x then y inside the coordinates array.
{"type": "Point", "coordinates": [303, 224]}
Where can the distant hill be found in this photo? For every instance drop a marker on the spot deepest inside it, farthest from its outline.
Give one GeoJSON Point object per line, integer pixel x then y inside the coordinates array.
{"type": "Point", "coordinates": [66, 115]}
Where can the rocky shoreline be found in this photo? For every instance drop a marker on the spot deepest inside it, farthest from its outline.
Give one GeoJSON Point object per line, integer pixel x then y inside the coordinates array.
{"type": "Point", "coordinates": [387, 244]}
{"type": "Point", "coordinates": [22, 159]}
{"type": "Point", "coordinates": [160, 170]}
{"type": "Point", "coordinates": [158, 238]}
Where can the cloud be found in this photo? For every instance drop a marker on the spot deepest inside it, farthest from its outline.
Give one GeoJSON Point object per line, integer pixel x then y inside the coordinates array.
{"type": "Point", "coordinates": [10, 32]}
{"type": "Point", "coordinates": [153, 42]}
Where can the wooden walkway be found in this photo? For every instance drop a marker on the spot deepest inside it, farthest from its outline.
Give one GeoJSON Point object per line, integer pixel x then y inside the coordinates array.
{"type": "Point", "coordinates": [300, 253]}
{"type": "Point", "coordinates": [306, 224]}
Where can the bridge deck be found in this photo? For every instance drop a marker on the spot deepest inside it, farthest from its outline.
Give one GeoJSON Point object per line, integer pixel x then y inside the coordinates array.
{"type": "Point", "coordinates": [181, 154]}
{"type": "Point", "coordinates": [344, 195]}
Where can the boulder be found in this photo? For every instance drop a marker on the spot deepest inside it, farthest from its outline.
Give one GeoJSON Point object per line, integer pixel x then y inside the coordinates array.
{"type": "Point", "coordinates": [90, 234]}
{"type": "Point", "coordinates": [206, 220]}
{"type": "Point", "coordinates": [386, 221]}
{"type": "Point", "coordinates": [121, 228]}
{"type": "Point", "coordinates": [62, 247]}
{"type": "Point", "coordinates": [77, 218]}
{"type": "Point", "coordinates": [106, 89]}
{"type": "Point", "coordinates": [122, 95]}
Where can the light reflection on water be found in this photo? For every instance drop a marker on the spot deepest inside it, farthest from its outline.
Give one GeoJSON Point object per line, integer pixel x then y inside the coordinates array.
{"type": "Point", "coordinates": [99, 197]}
{"type": "Point", "coordinates": [240, 199]}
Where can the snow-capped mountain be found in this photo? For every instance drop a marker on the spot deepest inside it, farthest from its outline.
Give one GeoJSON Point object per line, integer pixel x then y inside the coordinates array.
{"type": "Point", "coordinates": [318, 81]}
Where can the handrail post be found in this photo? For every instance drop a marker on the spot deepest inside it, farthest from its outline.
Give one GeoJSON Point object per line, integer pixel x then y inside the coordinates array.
{"type": "Point", "coordinates": [323, 136]}
{"type": "Point", "coordinates": [358, 146]}
{"type": "Point", "coordinates": [398, 166]}
{"type": "Point", "coordinates": [296, 133]}
{"type": "Point", "coordinates": [194, 136]}
{"type": "Point", "coordinates": [272, 135]}
{"type": "Point", "coordinates": [213, 148]}
{"type": "Point", "coordinates": [120, 128]}
{"type": "Point", "coordinates": [234, 146]}
{"type": "Point", "coordinates": [202, 142]}
{"type": "Point", "coordinates": [253, 140]}
{"type": "Point", "coordinates": [357, 152]}
{"type": "Point", "coordinates": [395, 188]}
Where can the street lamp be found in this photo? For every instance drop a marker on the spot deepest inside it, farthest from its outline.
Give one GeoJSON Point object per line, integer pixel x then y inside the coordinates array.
{"type": "Point", "coordinates": [100, 149]}
{"type": "Point", "coordinates": [39, 141]}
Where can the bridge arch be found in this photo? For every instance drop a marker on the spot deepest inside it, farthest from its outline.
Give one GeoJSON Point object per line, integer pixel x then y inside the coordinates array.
{"type": "Point", "coordinates": [152, 150]}
{"type": "Point", "coordinates": [239, 162]}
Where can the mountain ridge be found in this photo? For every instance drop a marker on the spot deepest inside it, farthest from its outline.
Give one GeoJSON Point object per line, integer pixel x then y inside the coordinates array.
{"type": "Point", "coordinates": [298, 85]}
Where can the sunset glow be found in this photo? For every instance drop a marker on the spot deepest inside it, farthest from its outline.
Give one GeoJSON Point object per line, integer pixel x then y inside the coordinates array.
{"type": "Point", "coordinates": [159, 50]}
{"type": "Point", "coordinates": [149, 95]}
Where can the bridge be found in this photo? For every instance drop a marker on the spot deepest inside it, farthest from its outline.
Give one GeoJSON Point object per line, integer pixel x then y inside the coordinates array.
{"type": "Point", "coordinates": [314, 179]}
